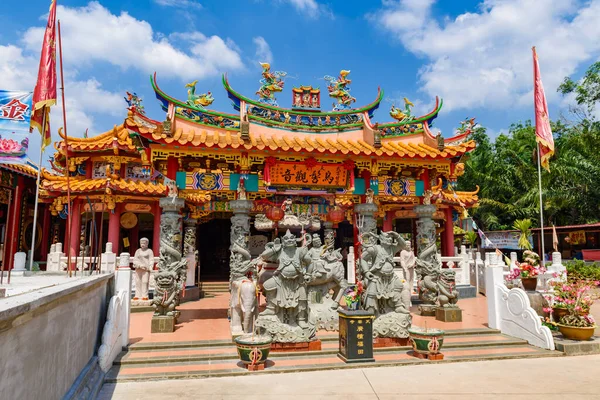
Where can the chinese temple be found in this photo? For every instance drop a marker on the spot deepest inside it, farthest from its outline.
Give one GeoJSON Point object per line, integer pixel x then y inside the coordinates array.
{"type": "Point", "coordinates": [17, 202]}
{"type": "Point", "coordinates": [314, 164]}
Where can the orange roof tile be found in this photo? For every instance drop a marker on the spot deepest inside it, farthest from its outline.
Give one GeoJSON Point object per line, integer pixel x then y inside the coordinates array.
{"type": "Point", "coordinates": [117, 136]}
{"type": "Point", "coordinates": [23, 169]}
{"type": "Point", "coordinates": [54, 183]}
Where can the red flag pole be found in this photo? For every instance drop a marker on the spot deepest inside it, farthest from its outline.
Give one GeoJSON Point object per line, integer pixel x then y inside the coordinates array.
{"type": "Point", "coordinates": [64, 113]}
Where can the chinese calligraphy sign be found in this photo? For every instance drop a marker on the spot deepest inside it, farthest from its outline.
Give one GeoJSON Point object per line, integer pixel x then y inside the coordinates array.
{"type": "Point", "coordinates": [297, 174]}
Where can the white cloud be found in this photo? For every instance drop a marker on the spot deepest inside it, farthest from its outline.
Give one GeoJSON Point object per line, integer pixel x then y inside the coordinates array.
{"type": "Point", "coordinates": [483, 58]}
{"type": "Point", "coordinates": [310, 8]}
{"type": "Point", "coordinates": [263, 50]}
{"type": "Point", "coordinates": [179, 3]}
{"type": "Point", "coordinates": [93, 34]}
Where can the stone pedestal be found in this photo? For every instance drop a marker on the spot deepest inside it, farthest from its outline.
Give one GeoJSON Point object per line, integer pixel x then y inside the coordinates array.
{"type": "Point", "coordinates": [449, 314]}
{"type": "Point", "coordinates": [427, 310]}
{"type": "Point", "coordinates": [356, 336]}
{"type": "Point", "coordinates": [163, 324]}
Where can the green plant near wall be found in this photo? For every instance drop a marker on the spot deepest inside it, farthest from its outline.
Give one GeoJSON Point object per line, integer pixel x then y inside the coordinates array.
{"type": "Point", "coordinates": [471, 238]}
{"type": "Point", "coordinates": [524, 228]}
{"type": "Point", "coordinates": [578, 269]}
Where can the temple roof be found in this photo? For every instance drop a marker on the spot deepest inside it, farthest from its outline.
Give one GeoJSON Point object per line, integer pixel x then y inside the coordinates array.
{"type": "Point", "coordinates": [28, 169]}
{"type": "Point", "coordinates": [222, 139]}
{"type": "Point", "coordinates": [117, 137]}
{"type": "Point", "coordinates": [466, 199]}
{"type": "Point", "coordinates": [56, 183]}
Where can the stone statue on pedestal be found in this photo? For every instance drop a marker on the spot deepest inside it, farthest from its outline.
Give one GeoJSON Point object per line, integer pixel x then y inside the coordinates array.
{"type": "Point", "coordinates": [408, 262]}
{"type": "Point", "coordinates": [286, 315]}
{"type": "Point", "coordinates": [386, 295]}
{"type": "Point", "coordinates": [327, 273]}
{"type": "Point", "coordinates": [143, 263]}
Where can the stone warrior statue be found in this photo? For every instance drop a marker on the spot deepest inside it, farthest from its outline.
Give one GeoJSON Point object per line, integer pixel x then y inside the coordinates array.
{"type": "Point", "coordinates": [326, 272]}
{"type": "Point", "coordinates": [387, 296]}
{"type": "Point", "coordinates": [143, 262]}
{"type": "Point", "coordinates": [285, 317]}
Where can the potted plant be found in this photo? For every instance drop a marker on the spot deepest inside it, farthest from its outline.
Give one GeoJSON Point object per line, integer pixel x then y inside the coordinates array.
{"type": "Point", "coordinates": [426, 341]}
{"type": "Point", "coordinates": [352, 296]}
{"type": "Point", "coordinates": [577, 324]}
{"type": "Point", "coordinates": [530, 269]}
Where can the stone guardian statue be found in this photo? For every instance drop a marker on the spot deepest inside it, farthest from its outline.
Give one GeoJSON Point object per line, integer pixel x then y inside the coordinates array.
{"type": "Point", "coordinates": [143, 262]}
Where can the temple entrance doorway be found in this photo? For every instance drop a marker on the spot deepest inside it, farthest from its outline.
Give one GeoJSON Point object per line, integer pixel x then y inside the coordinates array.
{"type": "Point", "coordinates": [213, 249]}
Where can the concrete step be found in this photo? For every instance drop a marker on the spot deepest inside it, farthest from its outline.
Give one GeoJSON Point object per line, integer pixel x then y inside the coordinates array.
{"type": "Point", "coordinates": [169, 356]}
{"type": "Point", "coordinates": [325, 337]}
{"type": "Point", "coordinates": [285, 362]}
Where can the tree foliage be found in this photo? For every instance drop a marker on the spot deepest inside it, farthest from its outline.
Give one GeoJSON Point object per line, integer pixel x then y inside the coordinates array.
{"type": "Point", "coordinates": [506, 169]}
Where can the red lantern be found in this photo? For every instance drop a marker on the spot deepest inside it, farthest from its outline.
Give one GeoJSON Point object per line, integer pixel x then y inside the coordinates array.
{"type": "Point", "coordinates": [275, 214]}
{"type": "Point", "coordinates": [335, 215]}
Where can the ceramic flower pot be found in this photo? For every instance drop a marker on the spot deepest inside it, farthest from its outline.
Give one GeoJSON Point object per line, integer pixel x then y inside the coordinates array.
{"type": "Point", "coordinates": [558, 313]}
{"type": "Point", "coordinates": [428, 341]}
{"type": "Point", "coordinates": [253, 350]}
{"type": "Point", "coordinates": [576, 333]}
{"type": "Point", "coordinates": [529, 283]}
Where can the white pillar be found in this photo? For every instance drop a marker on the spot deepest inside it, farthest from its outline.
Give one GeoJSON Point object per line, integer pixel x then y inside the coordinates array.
{"type": "Point", "coordinates": [123, 283]}
{"type": "Point", "coordinates": [493, 276]}
{"type": "Point", "coordinates": [109, 259]}
{"type": "Point", "coordinates": [513, 260]}
{"type": "Point", "coordinates": [351, 262]}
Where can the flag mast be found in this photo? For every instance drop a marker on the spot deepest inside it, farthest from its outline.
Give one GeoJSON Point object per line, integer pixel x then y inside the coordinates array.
{"type": "Point", "coordinates": [64, 113]}
{"type": "Point", "coordinates": [543, 137]}
{"type": "Point", "coordinates": [44, 96]}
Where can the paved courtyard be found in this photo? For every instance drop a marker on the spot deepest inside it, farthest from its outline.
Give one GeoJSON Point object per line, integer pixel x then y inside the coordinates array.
{"type": "Point", "coordinates": [541, 378]}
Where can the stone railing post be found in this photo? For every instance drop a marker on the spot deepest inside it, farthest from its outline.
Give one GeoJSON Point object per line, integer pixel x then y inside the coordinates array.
{"type": "Point", "coordinates": [513, 260]}
{"type": "Point", "coordinates": [493, 276]}
{"type": "Point", "coordinates": [123, 283]}
{"type": "Point", "coordinates": [109, 259]}
{"type": "Point", "coordinates": [54, 258]}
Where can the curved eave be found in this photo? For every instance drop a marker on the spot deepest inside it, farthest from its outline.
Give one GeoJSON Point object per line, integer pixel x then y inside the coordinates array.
{"type": "Point", "coordinates": [237, 98]}
{"type": "Point", "coordinates": [428, 118]}
{"type": "Point", "coordinates": [165, 99]}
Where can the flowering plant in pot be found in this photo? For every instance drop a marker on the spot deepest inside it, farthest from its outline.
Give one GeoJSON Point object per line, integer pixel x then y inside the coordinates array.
{"type": "Point", "coordinates": [352, 296]}
{"type": "Point", "coordinates": [530, 269]}
{"type": "Point", "coordinates": [577, 324]}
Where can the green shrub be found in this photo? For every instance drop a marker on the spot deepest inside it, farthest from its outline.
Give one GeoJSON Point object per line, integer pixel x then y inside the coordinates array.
{"type": "Point", "coordinates": [578, 269]}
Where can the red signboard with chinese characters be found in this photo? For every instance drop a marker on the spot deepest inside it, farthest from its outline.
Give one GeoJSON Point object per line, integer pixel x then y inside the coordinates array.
{"type": "Point", "coordinates": [299, 174]}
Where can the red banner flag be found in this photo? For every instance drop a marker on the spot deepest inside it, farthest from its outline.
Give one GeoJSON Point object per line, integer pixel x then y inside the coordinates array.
{"type": "Point", "coordinates": [44, 94]}
{"type": "Point", "coordinates": [543, 132]}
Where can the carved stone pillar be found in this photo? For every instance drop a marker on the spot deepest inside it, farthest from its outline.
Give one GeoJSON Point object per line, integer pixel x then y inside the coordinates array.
{"type": "Point", "coordinates": [240, 230]}
{"type": "Point", "coordinates": [189, 250]}
{"type": "Point", "coordinates": [172, 266]}
{"type": "Point", "coordinates": [329, 228]}
{"type": "Point", "coordinates": [366, 218]}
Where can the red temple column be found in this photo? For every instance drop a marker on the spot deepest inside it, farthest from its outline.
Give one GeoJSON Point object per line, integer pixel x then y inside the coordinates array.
{"type": "Point", "coordinates": [448, 235]}
{"type": "Point", "coordinates": [75, 238]}
{"type": "Point", "coordinates": [388, 221]}
{"type": "Point", "coordinates": [46, 230]}
{"type": "Point", "coordinates": [134, 238]}
{"type": "Point", "coordinates": [14, 221]}
{"type": "Point", "coordinates": [114, 227]}
{"type": "Point", "coordinates": [156, 238]}
{"type": "Point", "coordinates": [172, 167]}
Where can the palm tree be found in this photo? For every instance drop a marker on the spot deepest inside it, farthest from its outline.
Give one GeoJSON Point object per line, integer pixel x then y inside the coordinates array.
{"type": "Point", "coordinates": [524, 227]}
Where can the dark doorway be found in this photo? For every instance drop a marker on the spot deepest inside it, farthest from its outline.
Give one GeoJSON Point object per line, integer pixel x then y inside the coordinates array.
{"type": "Point", "coordinates": [213, 248]}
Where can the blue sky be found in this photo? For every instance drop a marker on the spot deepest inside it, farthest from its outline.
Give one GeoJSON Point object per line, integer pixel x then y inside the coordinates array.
{"type": "Point", "coordinates": [476, 55]}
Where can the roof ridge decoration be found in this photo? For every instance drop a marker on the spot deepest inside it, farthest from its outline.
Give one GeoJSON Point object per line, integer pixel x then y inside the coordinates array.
{"type": "Point", "coordinates": [406, 123]}
{"type": "Point", "coordinates": [271, 83]}
{"type": "Point", "coordinates": [134, 102]}
{"type": "Point", "coordinates": [340, 89]}
{"type": "Point", "coordinates": [463, 132]}
{"type": "Point", "coordinates": [199, 101]}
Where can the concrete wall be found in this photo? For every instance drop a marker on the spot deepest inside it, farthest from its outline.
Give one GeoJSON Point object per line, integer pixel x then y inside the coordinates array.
{"type": "Point", "coordinates": [48, 336]}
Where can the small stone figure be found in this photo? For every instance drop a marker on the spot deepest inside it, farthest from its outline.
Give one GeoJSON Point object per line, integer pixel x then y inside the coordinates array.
{"type": "Point", "coordinates": [165, 293]}
{"type": "Point", "coordinates": [171, 188]}
{"type": "Point", "coordinates": [287, 206]}
{"type": "Point", "coordinates": [447, 293]}
{"type": "Point", "coordinates": [241, 189]}
{"type": "Point", "coordinates": [408, 262]}
{"type": "Point", "coordinates": [369, 193]}
{"type": "Point", "coordinates": [143, 262]}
